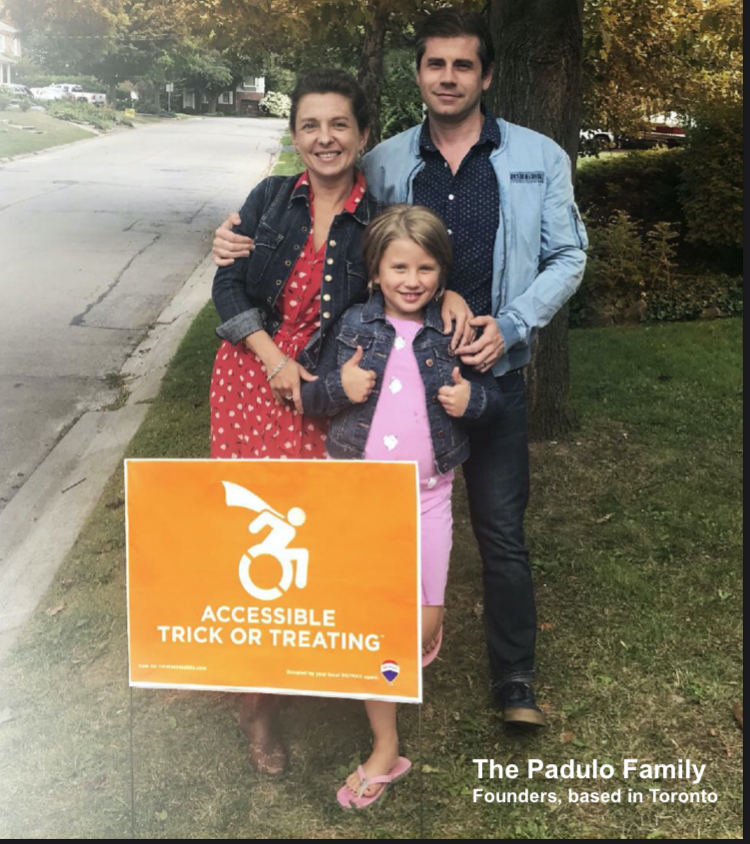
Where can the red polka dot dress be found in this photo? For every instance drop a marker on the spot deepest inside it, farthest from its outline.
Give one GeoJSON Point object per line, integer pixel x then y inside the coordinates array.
{"type": "Point", "coordinates": [246, 421]}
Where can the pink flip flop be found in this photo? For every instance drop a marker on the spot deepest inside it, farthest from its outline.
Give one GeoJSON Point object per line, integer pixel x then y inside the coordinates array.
{"type": "Point", "coordinates": [349, 799]}
{"type": "Point", "coordinates": [428, 658]}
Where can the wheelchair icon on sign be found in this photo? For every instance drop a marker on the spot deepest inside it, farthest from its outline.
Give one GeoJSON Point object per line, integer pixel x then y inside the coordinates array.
{"type": "Point", "coordinates": [294, 561]}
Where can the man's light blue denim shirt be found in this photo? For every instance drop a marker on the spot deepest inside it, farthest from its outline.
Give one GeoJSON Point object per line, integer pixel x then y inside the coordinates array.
{"type": "Point", "coordinates": [539, 251]}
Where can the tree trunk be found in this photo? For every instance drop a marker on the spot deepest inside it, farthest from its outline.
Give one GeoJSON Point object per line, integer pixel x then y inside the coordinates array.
{"type": "Point", "coordinates": [112, 94]}
{"type": "Point", "coordinates": [371, 65]}
{"type": "Point", "coordinates": [538, 83]}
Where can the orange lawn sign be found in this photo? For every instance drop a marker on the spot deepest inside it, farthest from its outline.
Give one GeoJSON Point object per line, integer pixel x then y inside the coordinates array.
{"type": "Point", "coordinates": [295, 577]}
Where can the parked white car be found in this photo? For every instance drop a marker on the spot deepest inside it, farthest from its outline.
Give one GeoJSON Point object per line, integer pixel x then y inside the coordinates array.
{"type": "Point", "coordinates": [68, 91]}
{"type": "Point", "coordinates": [17, 90]}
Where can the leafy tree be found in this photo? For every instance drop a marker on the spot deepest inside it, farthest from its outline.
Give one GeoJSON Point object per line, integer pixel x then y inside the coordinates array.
{"type": "Point", "coordinates": [312, 33]}
{"type": "Point", "coordinates": [646, 58]}
{"type": "Point", "coordinates": [113, 40]}
{"type": "Point", "coordinates": [204, 69]}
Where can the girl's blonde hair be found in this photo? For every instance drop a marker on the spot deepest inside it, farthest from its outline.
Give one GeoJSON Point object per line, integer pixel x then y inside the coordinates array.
{"type": "Point", "coordinates": [408, 222]}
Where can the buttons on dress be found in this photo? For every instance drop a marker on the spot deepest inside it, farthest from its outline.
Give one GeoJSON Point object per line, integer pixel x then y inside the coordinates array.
{"type": "Point", "coordinates": [326, 315]}
{"type": "Point", "coordinates": [329, 262]}
{"type": "Point", "coordinates": [327, 297]}
{"type": "Point", "coordinates": [332, 243]}
{"type": "Point", "coordinates": [329, 278]}
{"type": "Point", "coordinates": [429, 362]}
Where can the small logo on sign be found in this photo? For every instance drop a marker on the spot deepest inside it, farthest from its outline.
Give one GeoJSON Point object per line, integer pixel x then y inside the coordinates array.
{"type": "Point", "coordinates": [390, 670]}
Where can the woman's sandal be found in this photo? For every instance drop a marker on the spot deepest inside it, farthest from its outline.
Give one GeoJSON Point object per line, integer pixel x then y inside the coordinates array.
{"type": "Point", "coordinates": [429, 657]}
{"type": "Point", "coordinates": [349, 799]}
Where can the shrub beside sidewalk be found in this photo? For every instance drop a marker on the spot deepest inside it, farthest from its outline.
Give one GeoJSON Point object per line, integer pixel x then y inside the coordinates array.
{"type": "Point", "coordinates": [636, 535]}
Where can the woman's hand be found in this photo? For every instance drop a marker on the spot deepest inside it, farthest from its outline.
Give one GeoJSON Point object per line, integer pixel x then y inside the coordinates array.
{"type": "Point", "coordinates": [286, 385]}
{"type": "Point", "coordinates": [455, 399]}
{"type": "Point", "coordinates": [455, 309]}
{"type": "Point", "coordinates": [357, 383]}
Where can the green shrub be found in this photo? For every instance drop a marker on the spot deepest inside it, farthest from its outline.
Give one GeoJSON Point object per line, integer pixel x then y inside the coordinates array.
{"type": "Point", "coordinates": [144, 107]}
{"type": "Point", "coordinates": [633, 276]}
{"type": "Point", "coordinates": [5, 97]}
{"type": "Point", "coordinates": [713, 176]}
{"type": "Point", "coordinates": [644, 184]}
{"type": "Point", "coordinates": [693, 296]}
{"type": "Point", "coordinates": [101, 117]}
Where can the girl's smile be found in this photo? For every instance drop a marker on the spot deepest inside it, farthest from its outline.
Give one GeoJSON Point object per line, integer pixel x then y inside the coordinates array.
{"type": "Point", "coordinates": [409, 278]}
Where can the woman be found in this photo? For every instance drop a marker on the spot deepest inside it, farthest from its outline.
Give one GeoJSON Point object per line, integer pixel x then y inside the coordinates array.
{"type": "Point", "coordinates": [278, 305]}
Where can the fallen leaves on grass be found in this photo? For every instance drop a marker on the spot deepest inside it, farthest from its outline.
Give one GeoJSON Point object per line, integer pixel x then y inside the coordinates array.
{"type": "Point", "coordinates": [547, 625]}
{"type": "Point", "coordinates": [53, 611]}
{"type": "Point", "coordinates": [567, 738]}
{"type": "Point", "coordinates": [605, 519]}
{"type": "Point", "coordinates": [738, 715]}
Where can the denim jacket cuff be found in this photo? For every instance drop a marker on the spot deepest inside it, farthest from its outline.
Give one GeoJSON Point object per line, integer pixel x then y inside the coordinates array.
{"type": "Point", "coordinates": [477, 402]}
{"type": "Point", "coordinates": [509, 330]}
{"type": "Point", "coordinates": [235, 330]}
{"type": "Point", "coordinates": [335, 389]}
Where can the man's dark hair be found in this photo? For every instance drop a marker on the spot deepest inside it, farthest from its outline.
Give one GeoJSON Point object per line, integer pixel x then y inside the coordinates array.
{"type": "Point", "coordinates": [331, 81]}
{"type": "Point", "coordinates": [451, 23]}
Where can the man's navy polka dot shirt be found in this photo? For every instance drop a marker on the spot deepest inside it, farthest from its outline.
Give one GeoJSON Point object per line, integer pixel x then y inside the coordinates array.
{"type": "Point", "coordinates": [469, 205]}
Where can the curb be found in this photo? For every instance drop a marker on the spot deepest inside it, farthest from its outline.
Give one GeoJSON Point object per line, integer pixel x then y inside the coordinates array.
{"type": "Point", "coordinates": [43, 520]}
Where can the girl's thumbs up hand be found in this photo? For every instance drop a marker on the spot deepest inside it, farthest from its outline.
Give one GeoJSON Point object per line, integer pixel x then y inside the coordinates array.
{"type": "Point", "coordinates": [455, 399]}
{"type": "Point", "coordinates": [357, 383]}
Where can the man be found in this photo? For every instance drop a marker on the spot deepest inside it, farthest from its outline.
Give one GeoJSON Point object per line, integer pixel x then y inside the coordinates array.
{"type": "Point", "coordinates": [506, 196]}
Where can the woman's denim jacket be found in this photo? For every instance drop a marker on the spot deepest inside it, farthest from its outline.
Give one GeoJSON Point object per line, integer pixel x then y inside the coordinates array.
{"type": "Point", "coordinates": [366, 326]}
{"type": "Point", "coordinates": [277, 217]}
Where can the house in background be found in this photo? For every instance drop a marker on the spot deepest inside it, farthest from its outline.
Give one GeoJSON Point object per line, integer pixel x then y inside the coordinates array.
{"type": "Point", "coordinates": [10, 52]}
{"type": "Point", "coordinates": [243, 100]}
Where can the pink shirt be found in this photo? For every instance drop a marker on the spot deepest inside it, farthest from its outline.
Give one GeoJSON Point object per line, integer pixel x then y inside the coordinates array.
{"type": "Point", "coordinates": [400, 429]}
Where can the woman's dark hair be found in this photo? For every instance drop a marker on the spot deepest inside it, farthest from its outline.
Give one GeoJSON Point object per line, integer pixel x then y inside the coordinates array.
{"type": "Point", "coordinates": [450, 23]}
{"type": "Point", "coordinates": [331, 81]}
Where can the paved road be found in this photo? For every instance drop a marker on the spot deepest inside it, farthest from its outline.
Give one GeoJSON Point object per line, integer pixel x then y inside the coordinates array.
{"type": "Point", "coordinates": [95, 239]}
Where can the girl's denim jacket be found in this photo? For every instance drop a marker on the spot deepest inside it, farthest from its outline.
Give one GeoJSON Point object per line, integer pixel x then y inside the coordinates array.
{"type": "Point", "coordinates": [366, 326]}
{"type": "Point", "coordinates": [277, 217]}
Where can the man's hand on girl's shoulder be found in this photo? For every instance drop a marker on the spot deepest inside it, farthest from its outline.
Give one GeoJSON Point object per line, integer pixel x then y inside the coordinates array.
{"type": "Point", "coordinates": [228, 246]}
{"type": "Point", "coordinates": [455, 310]}
{"type": "Point", "coordinates": [485, 352]}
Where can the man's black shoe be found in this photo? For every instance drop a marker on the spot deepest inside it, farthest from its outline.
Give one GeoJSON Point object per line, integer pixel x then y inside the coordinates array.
{"type": "Point", "coordinates": [517, 701]}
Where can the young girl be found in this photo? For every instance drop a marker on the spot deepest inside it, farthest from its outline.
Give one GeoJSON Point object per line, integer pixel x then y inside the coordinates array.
{"type": "Point", "coordinates": [388, 376]}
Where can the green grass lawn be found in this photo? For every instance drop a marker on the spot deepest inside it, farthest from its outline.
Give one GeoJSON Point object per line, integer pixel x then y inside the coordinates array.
{"type": "Point", "coordinates": [15, 141]}
{"type": "Point", "coordinates": [635, 528]}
